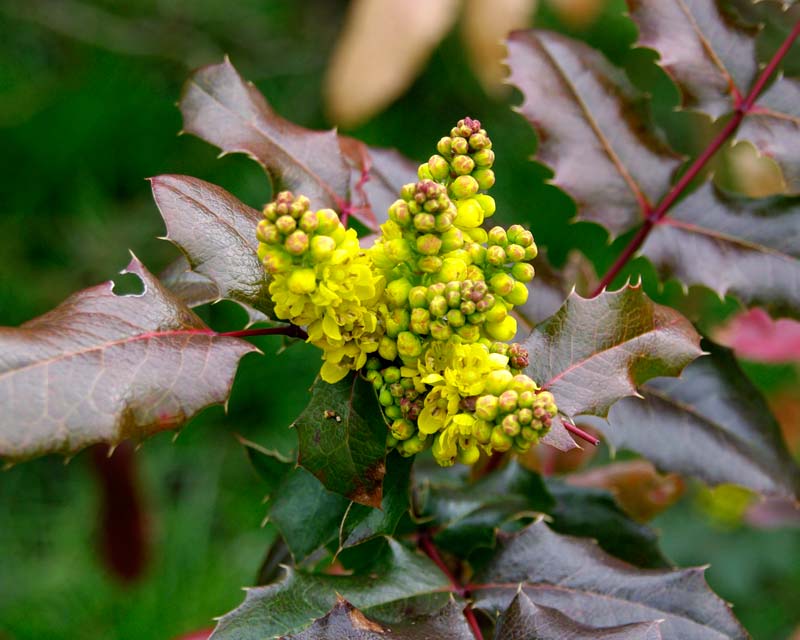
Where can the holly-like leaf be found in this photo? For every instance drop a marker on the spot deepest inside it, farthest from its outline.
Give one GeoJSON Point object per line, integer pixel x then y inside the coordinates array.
{"type": "Point", "coordinates": [575, 577]}
{"type": "Point", "coordinates": [403, 583]}
{"type": "Point", "coordinates": [343, 439]}
{"type": "Point", "coordinates": [590, 130]}
{"type": "Point", "coordinates": [593, 352]}
{"type": "Point", "coordinates": [712, 424]}
{"type": "Point", "coordinates": [524, 620]}
{"type": "Point", "coordinates": [709, 55]}
{"type": "Point", "coordinates": [105, 368]}
{"type": "Point", "coordinates": [774, 128]}
{"type": "Point", "coordinates": [333, 171]}
{"type": "Point", "coordinates": [190, 287]}
{"type": "Point", "coordinates": [221, 108]}
{"type": "Point", "coordinates": [746, 247]}
{"type": "Point", "coordinates": [345, 622]}
{"type": "Point", "coordinates": [216, 233]}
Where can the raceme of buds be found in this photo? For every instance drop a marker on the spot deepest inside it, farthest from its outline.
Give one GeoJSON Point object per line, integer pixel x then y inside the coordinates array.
{"type": "Point", "coordinates": [425, 313]}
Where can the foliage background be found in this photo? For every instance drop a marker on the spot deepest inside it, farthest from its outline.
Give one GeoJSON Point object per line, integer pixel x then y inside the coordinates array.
{"type": "Point", "coordinates": [87, 93]}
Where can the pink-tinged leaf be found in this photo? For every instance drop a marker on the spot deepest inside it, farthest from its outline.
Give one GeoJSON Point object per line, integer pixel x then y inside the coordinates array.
{"type": "Point", "coordinates": [710, 57]}
{"type": "Point", "coordinates": [749, 248]}
{"type": "Point", "coordinates": [220, 107]}
{"type": "Point", "coordinates": [593, 352]}
{"type": "Point", "coordinates": [575, 577]}
{"type": "Point", "coordinates": [756, 336]}
{"type": "Point", "coordinates": [106, 368]}
{"type": "Point", "coordinates": [524, 620]}
{"type": "Point", "coordinates": [774, 128]}
{"type": "Point", "coordinates": [217, 234]}
{"type": "Point", "coordinates": [591, 132]}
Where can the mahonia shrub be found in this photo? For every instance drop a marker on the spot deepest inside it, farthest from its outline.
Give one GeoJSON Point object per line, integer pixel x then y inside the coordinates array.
{"type": "Point", "coordinates": [425, 312]}
{"type": "Point", "coordinates": [438, 345]}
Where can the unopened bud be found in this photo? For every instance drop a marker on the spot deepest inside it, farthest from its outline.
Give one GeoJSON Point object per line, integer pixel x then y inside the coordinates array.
{"type": "Point", "coordinates": [498, 236]}
{"type": "Point", "coordinates": [464, 187]}
{"type": "Point", "coordinates": [483, 158]}
{"type": "Point", "coordinates": [408, 345]}
{"type": "Point", "coordinates": [487, 407]}
{"type": "Point", "coordinates": [518, 295]}
{"type": "Point", "coordinates": [286, 224]}
{"type": "Point", "coordinates": [485, 178]}
{"type": "Point", "coordinates": [503, 330]}
{"type": "Point", "coordinates": [497, 381]}
{"type": "Point", "coordinates": [429, 244]}
{"type": "Point", "coordinates": [515, 252]}
{"type": "Point", "coordinates": [397, 291]}
{"type": "Point", "coordinates": [420, 321]}
{"type": "Point", "coordinates": [424, 222]}
{"type": "Point", "coordinates": [459, 145]}
{"type": "Point", "coordinates": [267, 232]}
{"type": "Point", "coordinates": [463, 165]}
{"type": "Point", "coordinates": [444, 146]}
{"type": "Point", "coordinates": [328, 221]}
{"type": "Point", "coordinates": [297, 243]}
{"type": "Point", "coordinates": [440, 330]}
{"type": "Point", "coordinates": [429, 264]}
{"type": "Point", "coordinates": [511, 425]}
{"type": "Point", "coordinates": [523, 272]}
{"type": "Point", "coordinates": [438, 167]}
{"type": "Point", "coordinates": [500, 441]}
{"type": "Point", "coordinates": [322, 247]}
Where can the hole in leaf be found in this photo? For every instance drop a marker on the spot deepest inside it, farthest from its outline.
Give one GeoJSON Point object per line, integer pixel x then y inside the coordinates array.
{"type": "Point", "coordinates": [128, 284]}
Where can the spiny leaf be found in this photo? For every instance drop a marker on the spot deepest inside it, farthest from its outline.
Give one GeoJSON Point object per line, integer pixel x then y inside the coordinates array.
{"type": "Point", "coordinates": [221, 108]}
{"type": "Point", "coordinates": [710, 57]}
{"type": "Point", "coordinates": [105, 368]}
{"type": "Point", "coordinates": [712, 424]}
{"type": "Point", "coordinates": [774, 128]}
{"type": "Point", "coordinates": [524, 620]}
{"type": "Point", "coordinates": [294, 603]}
{"type": "Point", "coordinates": [216, 232]}
{"type": "Point", "coordinates": [593, 352]}
{"type": "Point", "coordinates": [746, 247]}
{"type": "Point", "coordinates": [575, 577]}
{"type": "Point", "coordinates": [343, 439]}
{"type": "Point", "coordinates": [345, 622]}
{"type": "Point", "coordinates": [590, 133]}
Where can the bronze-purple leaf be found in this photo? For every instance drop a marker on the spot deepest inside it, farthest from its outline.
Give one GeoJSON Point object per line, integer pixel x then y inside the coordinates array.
{"type": "Point", "coordinates": [105, 368]}
{"type": "Point", "coordinates": [709, 55]}
{"type": "Point", "coordinates": [591, 130]}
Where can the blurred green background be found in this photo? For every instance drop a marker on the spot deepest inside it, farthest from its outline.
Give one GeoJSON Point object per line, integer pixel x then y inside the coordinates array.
{"type": "Point", "coordinates": [87, 113]}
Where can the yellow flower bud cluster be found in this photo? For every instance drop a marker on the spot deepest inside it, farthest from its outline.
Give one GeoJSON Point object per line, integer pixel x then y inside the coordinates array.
{"type": "Point", "coordinates": [321, 279]}
{"type": "Point", "coordinates": [426, 312]}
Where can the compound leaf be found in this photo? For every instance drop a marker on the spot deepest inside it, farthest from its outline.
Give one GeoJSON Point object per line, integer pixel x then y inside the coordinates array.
{"type": "Point", "coordinates": [105, 368]}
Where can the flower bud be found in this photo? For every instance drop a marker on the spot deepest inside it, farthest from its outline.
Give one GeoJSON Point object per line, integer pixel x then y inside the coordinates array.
{"type": "Point", "coordinates": [529, 433]}
{"type": "Point", "coordinates": [385, 397]}
{"type": "Point", "coordinates": [417, 297]}
{"type": "Point", "coordinates": [482, 430]}
{"type": "Point", "coordinates": [269, 212]}
{"type": "Point", "coordinates": [469, 333]}
{"type": "Point", "coordinates": [485, 178]}
{"type": "Point", "coordinates": [521, 446]}
{"type": "Point", "coordinates": [429, 264]}
{"type": "Point", "coordinates": [518, 295]}
{"type": "Point", "coordinates": [420, 321]}
{"type": "Point", "coordinates": [468, 455]}
{"type": "Point", "coordinates": [452, 239]}
{"type": "Point", "coordinates": [424, 222]}
{"type": "Point", "coordinates": [508, 400]}
{"type": "Point", "coordinates": [302, 281]}
{"type": "Point", "coordinates": [497, 313]}
{"type": "Point", "coordinates": [511, 425]}
{"type": "Point", "coordinates": [525, 416]}
{"type": "Point", "coordinates": [412, 446]}
{"type": "Point", "coordinates": [455, 318]}
{"type": "Point", "coordinates": [478, 235]}
{"type": "Point", "coordinates": [462, 165]}
{"type": "Point", "coordinates": [297, 243]}
{"type": "Point", "coordinates": [274, 259]}
{"type": "Point", "coordinates": [496, 256]}
{"type": "Point", "coordinates": [487, 407]}
{"type": "Point", "coordinates": [502, 284]}
{"type": "Point", "coordinates": [452, 269]}
{"type": "Point", "coordinates": [399, 213]}
{"type": "Point", "coordinates": [438, 167]}
{"type": "Point", "coordinates": [424, 172]}
{"type": "Point", "coordinates": [393, 413]}
{"type": "Point", "coordinates": [444, 146]}
{"type": "Point", "coordinates": [328, 221]}
{"type": "Point", "coordinates": [476, 252]}
{"type": "Point", "coordinates": [440, 330]}
{"type": "Point", "coordinates": [402, 429]}
{"type": "Point", "coordinates": [397, 291]}
{"type": "Point", "coordinates": [459, 145]}
{"type": "Point", "coordinates": [444, 221]}
{"type": "Point", "coordinates": [429, 244]}
{"type": "Point", "coordinates": [500, 441]}
{"type": "Point", "coordinates": [526, 399]}
{"type": "Point", "coordinates": [483, 158]}
{"type": "Point", "coordinates": [396, 322]}
{"type": "Point", "coordinates": [523, 272]}
{"type": "Point", "coordinates": [464, 187]}
{"type": "Point", "coordinates": [438, 306]}
{"type": "Point", "coordinates": [531, 252]}
{"type": "Point", "coordinates": [267, 232]}
{"type": "Point", "coordinates": [503, 330]}
{"type": "Point", "coordinates": [286, 224]}
{"type": "Point", "coordinates": [497, 381]}
{"type": "Point", "coordinates": [498, 236]}
{"type": "Point", "coordinates": [408, 345]}
{"type": "Point", "coordinates": [515, 252]}
{"type": "Point", "coordinates": [487, 204]}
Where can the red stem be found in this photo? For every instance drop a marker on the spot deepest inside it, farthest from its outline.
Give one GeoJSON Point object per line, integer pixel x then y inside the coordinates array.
{"type": "Point", "coordinates": [288, 330]}
{"type": "Point", "coordinates": [742, 109]}
{"type": "Point", "coordinates": [583, 435]}
{"type": "Point", "coordinates": [426, 544]}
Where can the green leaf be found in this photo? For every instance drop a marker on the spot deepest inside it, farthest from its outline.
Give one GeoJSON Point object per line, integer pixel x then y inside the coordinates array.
{"type": "Point", "coordinates": [105, 368]}
{"type": "Point", "coordinates": [593, 513]}
{"type": "Point", "coordinates": [590, 130]}
{"type": "Point", "coordinates": [524, 620]}
{"type": "Point", "coordinates": [343, 439]}
{"type": "Point", "coordinates": [774, 128]}
{"type": "Point", "coordinates": [575, 577]}
{"type": "Point", "coordinates": [216, 233]}
{"type": "Point", "coordinates": [709, 55]}
{"type": "Point", "coordinates": [593, 352]}
{"type": "Point", "coordinates": [745, 247]}
{"type": "Point", "coordinates": [468, 515]}
{"type": "Point", "coordinates": [345, 622]}
{"type": "Point", "coordinates": [384, 594]}
{"type": "Point", "coordinates": [712, 424]}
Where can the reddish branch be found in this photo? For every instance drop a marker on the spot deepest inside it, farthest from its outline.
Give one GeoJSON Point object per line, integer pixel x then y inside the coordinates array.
{"type": "Point", "coordinates": [426, 544]}
{"type": "Point", "coordinates": [742, 107]}
{"type": "Point", "coordinates": [583, 435]}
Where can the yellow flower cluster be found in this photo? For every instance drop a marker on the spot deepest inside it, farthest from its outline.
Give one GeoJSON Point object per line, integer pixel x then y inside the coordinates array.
{"type": "Point", "coordinates": [321, 279]}
{"type": "Point", "coordinates": [426, 312]}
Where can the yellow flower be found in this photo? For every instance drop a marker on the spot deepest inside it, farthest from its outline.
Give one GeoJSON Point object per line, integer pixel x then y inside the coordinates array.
{"type": "Point", "coordinates": [469, 365]}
